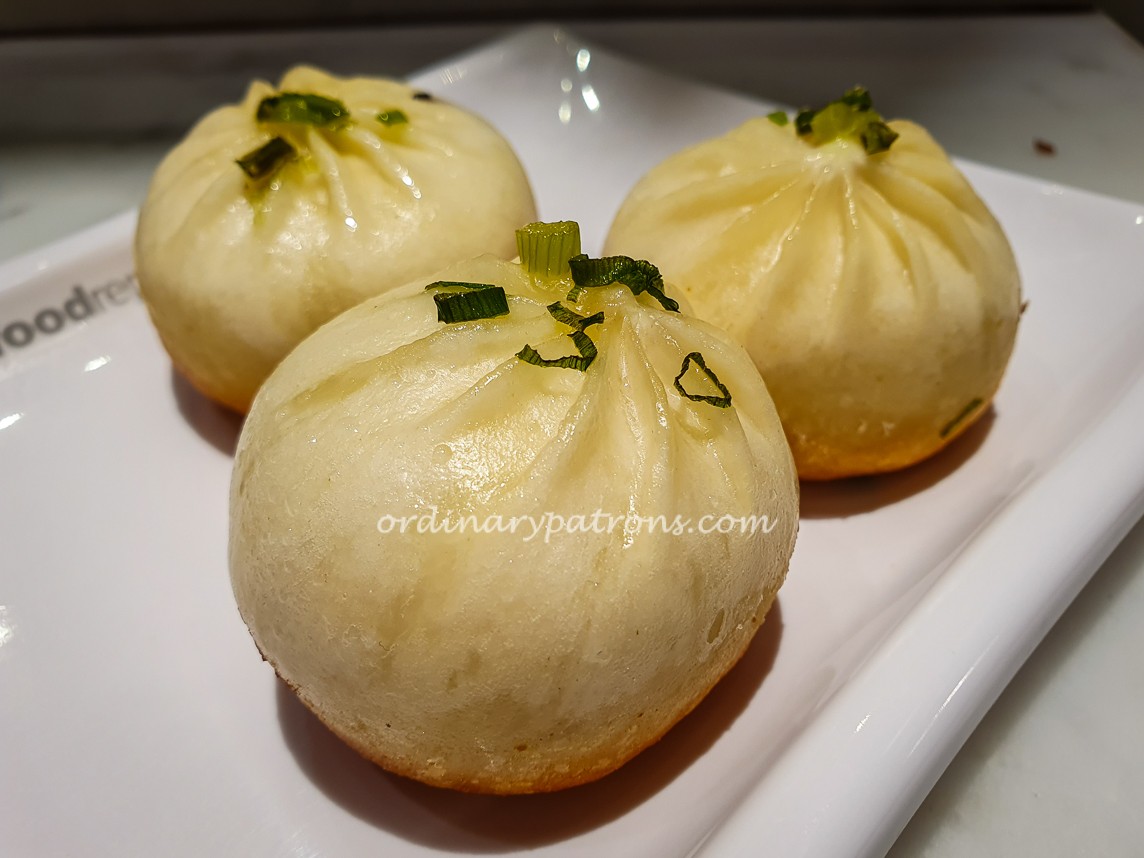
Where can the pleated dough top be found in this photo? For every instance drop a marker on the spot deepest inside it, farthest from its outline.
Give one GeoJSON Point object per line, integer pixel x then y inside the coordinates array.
{"type": "Point", "coordinates": [235, 271]}
{"type": "Point", "coordinates": [876, 293]}
{"type": "Point", "coordinates": [507, 660]}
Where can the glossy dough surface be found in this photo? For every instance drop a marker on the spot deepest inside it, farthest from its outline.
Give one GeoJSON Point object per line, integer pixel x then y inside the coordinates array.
{"type": "Point", "coordinates": [877, 294]}
{"type": "Point", "coordinates": [235, 273]}
{"type": "Point", "coordinates": [489, 661]}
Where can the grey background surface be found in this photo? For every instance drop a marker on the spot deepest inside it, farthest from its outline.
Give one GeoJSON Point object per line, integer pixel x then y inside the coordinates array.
{"type": "Point", "coordinates": [47, 16]}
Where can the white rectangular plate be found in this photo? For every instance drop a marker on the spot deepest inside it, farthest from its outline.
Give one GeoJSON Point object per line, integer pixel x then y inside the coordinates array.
{"type": "Point", "coordinates": [137, 719]}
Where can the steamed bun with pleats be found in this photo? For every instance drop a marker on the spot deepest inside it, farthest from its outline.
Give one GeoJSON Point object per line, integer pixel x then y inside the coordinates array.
{"type": "Point", "coordinates": [501, 533]}
{"type": "Point", "coordinates": [874, 290]}
{"type": "Point", "coordinates": [278, 213]}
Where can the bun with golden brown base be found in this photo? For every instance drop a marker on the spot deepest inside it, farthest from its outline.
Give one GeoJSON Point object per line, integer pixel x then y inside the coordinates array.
{"type": "Point", "coordinates": [276, 214]}
{"type": "Point", "coordinates": [487, 657]}
{"type": "Point", "coordinates": [874, 290]}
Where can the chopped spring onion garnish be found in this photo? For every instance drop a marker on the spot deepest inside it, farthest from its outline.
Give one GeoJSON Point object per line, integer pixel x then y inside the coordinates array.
{"type": "Point", "coordinates": [638, 275]}
{"type": "Point", "coordinates": [858, 98]}
{"type": "Point", "coordinates": [877, 137]}
{"type": "Point", "coordinates": [802, 121]}
{"type": "Point", "coordinates": [267, 159]}
{"type": "Point", "coordinates": [969, 408]}
{"type": "Point", "coordinates": [484, 302]}
{"type": "Point", "coordinates": [458, 301]}
{"type": "Point", "coordinates": [392, 117]}
{"type": "Point", "coordinates": [582, 341]}
{"type": "Point", "coordinates": [851, 116]}
{"type": "Point", "coordinates": [459, 285]}
{"type": "Point", "coordinates": [301, 107]}
{"type": "Point", "coordinates": [545, 248]}
{"type": "Point", "coordinates": [722, 401]}
{"type": "Point", "coordinates": [581, 362]}
{"type": "Point", "coordinates": [779, 117]}
{"type": "Point", "coordinates": [574, 320]}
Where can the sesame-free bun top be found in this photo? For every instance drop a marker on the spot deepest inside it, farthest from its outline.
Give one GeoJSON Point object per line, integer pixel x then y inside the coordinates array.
{"type": "Point", "coordinates": [496, 661]}
{"type": "Point", "coordinates": [372, 184]}
{"type": "Point", "coordinates": [875, 291]}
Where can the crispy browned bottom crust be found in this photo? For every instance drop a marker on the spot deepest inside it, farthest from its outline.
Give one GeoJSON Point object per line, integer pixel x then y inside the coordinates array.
{"type": "Point", "coordinates": [228, 399]}
{"type": "Point", "coordinates": [237, 401]}
{"type": "Point", "coordinates": [587, 772]}
{"type": "Point", "coordinates": [820, 462]}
